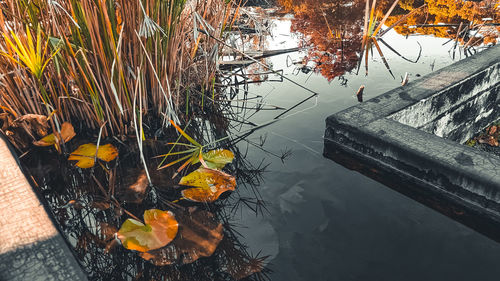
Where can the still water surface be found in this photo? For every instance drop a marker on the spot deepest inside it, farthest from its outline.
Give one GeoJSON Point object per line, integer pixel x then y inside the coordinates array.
{"type": "Point", "coordinates": [326, 222]}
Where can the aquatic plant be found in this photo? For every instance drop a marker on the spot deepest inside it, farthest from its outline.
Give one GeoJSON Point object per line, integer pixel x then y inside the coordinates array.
{"type": "Point", "coordinates": [97, 56]}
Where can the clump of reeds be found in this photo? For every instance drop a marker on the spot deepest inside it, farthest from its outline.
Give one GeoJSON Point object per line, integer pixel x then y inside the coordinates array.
{"type": "Point", "coordinates": [87, 61]}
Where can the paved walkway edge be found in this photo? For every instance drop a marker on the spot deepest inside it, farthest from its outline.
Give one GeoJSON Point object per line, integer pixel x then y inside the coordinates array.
{"type": "Point", "coordinates": [31, 248]}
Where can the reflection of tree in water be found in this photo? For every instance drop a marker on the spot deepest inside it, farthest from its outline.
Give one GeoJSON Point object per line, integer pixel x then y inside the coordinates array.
{"type": "Point", "coordinates": [333, 46]}
{"type": "Point", "coordinates": [450, 12]}
{"type": "Point", "coordinates": [333, 29]}
{"type": "Point", "coordinates": [90, 205]}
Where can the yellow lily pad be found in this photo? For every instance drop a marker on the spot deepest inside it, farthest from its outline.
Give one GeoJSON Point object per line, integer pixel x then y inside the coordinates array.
{"type": "Point", "coordinates": [198, 237]}
{"type": "Point", "coordinates": [159, 229]}
{"type": "Point", "coordinates": [86, 153]}
{"type": "Point", "coordinates": [217, 159]}
{"type": "Point", "coordinates": [208, 184]}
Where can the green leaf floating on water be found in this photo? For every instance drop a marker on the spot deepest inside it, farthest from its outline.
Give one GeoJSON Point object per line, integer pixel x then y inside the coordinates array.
{"type": "Point", "coordinates": [217, 159]}
{"type": "Point", "coordinates": [160, 228]}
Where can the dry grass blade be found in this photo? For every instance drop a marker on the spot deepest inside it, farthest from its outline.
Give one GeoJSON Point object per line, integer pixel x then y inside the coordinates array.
{"type": "Point", "coordinates": [96, 47]}
{"type": "Point", "coordinates": [401, 20]}
{"type": "Point", "coordinates": [382, 22]}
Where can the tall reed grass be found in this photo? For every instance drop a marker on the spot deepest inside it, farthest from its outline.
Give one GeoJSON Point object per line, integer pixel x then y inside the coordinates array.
{"type": "Point", "coordinates": [90, 59]}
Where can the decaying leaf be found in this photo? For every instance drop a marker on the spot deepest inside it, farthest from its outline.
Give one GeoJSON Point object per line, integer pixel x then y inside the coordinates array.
{"type": "Point", "coordinates": [67, 133]}
{"type": "Point", "coordinates": [160, 228]}
{"type": "Point", "coordinates": [86, 153]}
{"type": "Point", "coordinates": [34, 122]}
{"type": "Point", "coordinates": [133, 185]}
{"type": "Point", "coordinates": [209, 185]}
{"type": "Point", "coordinates": [490, 140]}
{"type": "Point", "coordinates": [217, 159]}
{"type": "Point", "coordinates": [21, 131]}
{"type": "Point", "coordinates": [199, 236]}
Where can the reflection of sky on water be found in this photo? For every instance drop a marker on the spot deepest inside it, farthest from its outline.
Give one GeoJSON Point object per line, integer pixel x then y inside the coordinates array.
{"type": "Point", "coordinates": [329, 223]}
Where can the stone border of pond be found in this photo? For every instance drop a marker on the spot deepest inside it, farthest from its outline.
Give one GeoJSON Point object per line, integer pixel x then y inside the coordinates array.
{"type": "Point", "coordinates": [410, 138]}
{"type": "Point", "coordinates": [31, 247]}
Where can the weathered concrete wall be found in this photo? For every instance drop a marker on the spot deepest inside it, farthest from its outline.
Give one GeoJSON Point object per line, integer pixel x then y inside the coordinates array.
{"type": "Point", "coordinates": [459, 111]}
{"type": "Point", "coordinates": [378, 132]}
{"type": "Point", "coordinates": [31, 248]}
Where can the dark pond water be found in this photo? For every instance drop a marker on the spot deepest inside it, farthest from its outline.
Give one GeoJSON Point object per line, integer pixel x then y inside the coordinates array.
{"type": "Point", "coordinates": [326, 222]}
{"type": "Point", "coordinates": [318, 220]}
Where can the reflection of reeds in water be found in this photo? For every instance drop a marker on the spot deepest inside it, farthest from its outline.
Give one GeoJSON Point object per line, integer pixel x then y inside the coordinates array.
{"type": "Point", "coordinates": [372, 34]}
{"type": "Point", "coordinates": [91, 205]}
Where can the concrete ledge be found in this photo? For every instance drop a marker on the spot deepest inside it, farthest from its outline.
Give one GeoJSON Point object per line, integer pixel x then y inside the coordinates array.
{"type": "Point", "coordinates": [413, 132]}
{"type": "Point", "coordinates": [31, 248]}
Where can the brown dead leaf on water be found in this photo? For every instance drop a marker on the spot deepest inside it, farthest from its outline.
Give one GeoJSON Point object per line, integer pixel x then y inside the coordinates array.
{"type": "Point", "coordinates": [35, 122]}
{"type": "Point", "coordinates": [108, 236]}
{"type": "Point", "coordinates": [56, 138]}
{"type": "Point", "coordinates": [199, 235]}
{"type": "Point", "coordinates": [133, 186]}
{"type": "Point", "coordinates": [490, 140]}
{"type": "Point", "coordinates": [140, 185]}
{"type": "Point", "coordinates": [23, 130]}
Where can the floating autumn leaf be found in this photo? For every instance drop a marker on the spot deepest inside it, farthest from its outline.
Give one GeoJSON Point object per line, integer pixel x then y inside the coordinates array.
{"type": "Point", "coordinates": [199, 236]}
{"type": "Point", "coordinates": [209, 185]}
{"type": "Point", "coordinates": [33, 123]}
{"type": "Point", "coordinates": [86, 153]}
{"type": "Point", "coordinates": [490, 140]}
{"type": "Point", "coordinates": [217, 159]}
{"type": "Point", "coordinates": [159, 229]}
{"type": "Point", "coordinates": [67, 133]}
